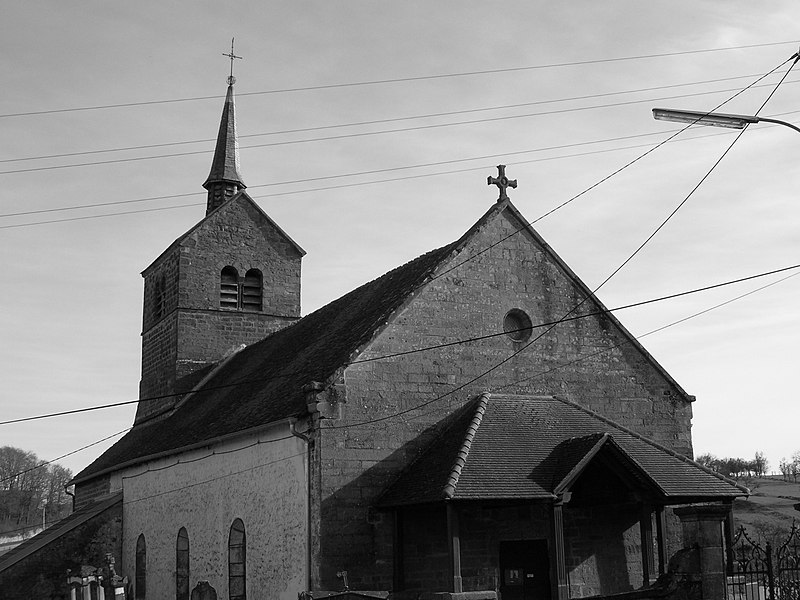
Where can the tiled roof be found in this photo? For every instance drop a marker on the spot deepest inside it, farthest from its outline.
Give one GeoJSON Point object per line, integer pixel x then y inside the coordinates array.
{"type": "Point", "coordinates": [52, 533]}
{"type": "Point", "coordinates": [524, 447]}
{"type": "Point", "coordinates": [263, 383]}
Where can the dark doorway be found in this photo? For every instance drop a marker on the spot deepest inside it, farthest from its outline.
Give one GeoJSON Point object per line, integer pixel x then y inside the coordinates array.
{"type": "Point", "coordinates": [524, 570]}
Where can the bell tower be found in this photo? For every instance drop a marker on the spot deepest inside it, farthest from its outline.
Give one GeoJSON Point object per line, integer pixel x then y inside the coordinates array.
{"type": "Point", "coordinates": [231, 280]}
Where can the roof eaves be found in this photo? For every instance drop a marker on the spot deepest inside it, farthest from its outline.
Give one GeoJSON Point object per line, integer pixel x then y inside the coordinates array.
{"type": "Point", "coordinates": [656, 445]}
{"type": "Point", "coordinates": [575, 472]}
{"type": "Point", "coordinates": [173, 451]}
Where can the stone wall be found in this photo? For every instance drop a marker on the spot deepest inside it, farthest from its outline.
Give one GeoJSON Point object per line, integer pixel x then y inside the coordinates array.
{"type": "Point", "coordinates": [589, 361]}
{"type": "Point", "coordinates": [189, 330]}
{"type": "Point", "coordinates": [260, 479]}
{"type": "Point", "coordinates": [43, 574]}
{"type": "Point", "coordinates": [91, 490]}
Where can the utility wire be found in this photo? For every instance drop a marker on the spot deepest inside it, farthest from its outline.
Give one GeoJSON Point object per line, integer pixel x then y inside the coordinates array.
{"type": "Point", "coordinates": [356, 184]}
{"type": "Point", "coordinates": [516, 382]}
{"type": "Point", "coordinates": [414, 351]}
{"type": "Point", "coordinates": [384, 170]}
{"type": "Point", "coordinates": [387, 120]}
{"type": "Point", "coordinates": [363, 133]}
{"type": "Point", "coordinates": [423, 405]}
{"type": "Point", "coordinates": [405, 79]}
{"type": "Point", "coordinates": [51, 461]}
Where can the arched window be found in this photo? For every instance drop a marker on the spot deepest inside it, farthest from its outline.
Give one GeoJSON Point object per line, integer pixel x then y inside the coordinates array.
{"type": "Point", "coordinates": [229, 288]}
{"type": "Point", "coordinates": [182, 565]}
{"type": "Point", "coordinates": [237, 562]}
{"type": "Point", "coordinates": [240, 294]}
{"type": "Point", "coordinates": [159, 297]}
{"type": "Point", "coordinates": [251, 291]}
{"type": "Point", "coordinates": [141, 569]}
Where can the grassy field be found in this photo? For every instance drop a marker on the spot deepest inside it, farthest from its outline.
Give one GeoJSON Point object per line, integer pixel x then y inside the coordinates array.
{"type": "Point", "coordinates": [769, 512]}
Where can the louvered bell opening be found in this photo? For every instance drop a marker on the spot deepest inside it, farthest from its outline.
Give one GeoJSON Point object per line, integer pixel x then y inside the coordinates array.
{"type": "Point", "coordinates": [251, 291]}
{"type": "Point", "coordinates": [229, 288]}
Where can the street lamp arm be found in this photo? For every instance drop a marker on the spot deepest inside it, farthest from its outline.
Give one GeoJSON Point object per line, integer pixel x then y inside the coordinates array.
{"type": "Point", "coordinates": [778, 122]}
{"type": "Point", "coordinates": [714, 119]}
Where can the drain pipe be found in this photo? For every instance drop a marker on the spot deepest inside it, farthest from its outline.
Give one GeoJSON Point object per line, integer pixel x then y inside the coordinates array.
{"type": "Point", "coordinates": [311, 390]}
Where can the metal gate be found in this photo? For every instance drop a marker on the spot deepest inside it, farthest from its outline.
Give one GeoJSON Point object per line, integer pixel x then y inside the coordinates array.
{"type": "Point", "coordinates": [761, 573]}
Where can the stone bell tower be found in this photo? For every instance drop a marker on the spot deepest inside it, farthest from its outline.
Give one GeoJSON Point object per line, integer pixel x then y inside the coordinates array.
{"type": "Point", "coordinates": [232, 279]}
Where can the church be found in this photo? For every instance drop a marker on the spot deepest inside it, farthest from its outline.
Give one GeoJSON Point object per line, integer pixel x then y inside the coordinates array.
{"type": "Point", "coordinates": [472, 421]}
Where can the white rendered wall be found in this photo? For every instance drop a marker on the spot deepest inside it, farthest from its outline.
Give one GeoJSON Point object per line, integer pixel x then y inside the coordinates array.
{"type": "Point", "coordinates": [260, 479]}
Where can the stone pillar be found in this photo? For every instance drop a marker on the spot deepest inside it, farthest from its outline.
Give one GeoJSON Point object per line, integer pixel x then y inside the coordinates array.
{"type": "Point", "coordinates": [702, 529]}
{"type": "Point", "coordinates": [454, 547]}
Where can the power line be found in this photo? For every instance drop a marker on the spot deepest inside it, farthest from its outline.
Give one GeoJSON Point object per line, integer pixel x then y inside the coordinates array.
{"type": "Point", "coordinates": [387, 120]}
{"type": "Point", "coordinates": [51, 461]}
{"type": "Point", "coordinates": [416, 350]}
{"type": "Point", "coordinates": [371, 133]}
{"type": "Point", "coordinates": [406, 79]}
{"type": "Point", "coordinates": [378, 171]}
{"type": "Point", "coordinates": [516, 382]}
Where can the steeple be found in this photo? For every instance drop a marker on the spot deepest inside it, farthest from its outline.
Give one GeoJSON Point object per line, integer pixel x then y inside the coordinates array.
{"type": "Point", "coordinates": [224, 180]}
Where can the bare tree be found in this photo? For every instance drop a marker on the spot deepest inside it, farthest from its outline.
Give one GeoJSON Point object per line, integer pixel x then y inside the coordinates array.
{"type": "Point", "coordinates": [30, 489]}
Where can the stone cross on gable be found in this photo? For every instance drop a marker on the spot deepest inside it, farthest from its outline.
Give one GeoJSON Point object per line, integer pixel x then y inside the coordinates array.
{"type": "Point", "coordinates": [502, 182]}
{"type": "Point", "coordinates": [231, 55]}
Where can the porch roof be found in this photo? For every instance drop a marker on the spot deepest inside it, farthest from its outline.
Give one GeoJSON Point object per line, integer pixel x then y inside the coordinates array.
{"type": "Point", "coordinates": [533, 448]}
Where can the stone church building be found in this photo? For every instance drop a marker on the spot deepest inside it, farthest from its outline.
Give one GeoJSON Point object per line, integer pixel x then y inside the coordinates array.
{"type": "Point", "coordinates": [473, 420]}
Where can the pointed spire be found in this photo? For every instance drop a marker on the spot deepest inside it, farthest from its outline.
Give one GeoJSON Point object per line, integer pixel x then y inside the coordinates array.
{"type": "Point", "coordinates": [224, 180]}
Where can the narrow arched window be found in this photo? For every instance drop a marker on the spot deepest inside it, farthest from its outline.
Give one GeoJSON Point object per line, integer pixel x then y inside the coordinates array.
{"type": "Point", "coordinates": [140, 581]}
{"type": "Point", "coordinates": [182, 565]}
{"type": "Point", "coordinates": [159, 297]}
{"type": "Point", "coordinates": [251, 291]}
{"type": "Point", "coordinates": [229, 288]}
{"type": "Point", "coordinates": [237, 562]}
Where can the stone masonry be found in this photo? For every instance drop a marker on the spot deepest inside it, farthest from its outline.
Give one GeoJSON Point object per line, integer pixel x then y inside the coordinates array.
{"type": "Point", "coordinates": [589, 361]}
{"type": "Point", "coordinates": [184, 327]}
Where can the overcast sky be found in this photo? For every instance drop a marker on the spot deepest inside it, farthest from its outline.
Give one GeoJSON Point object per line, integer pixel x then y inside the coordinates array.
{"type": "Point", "coordinates": [561, 92]}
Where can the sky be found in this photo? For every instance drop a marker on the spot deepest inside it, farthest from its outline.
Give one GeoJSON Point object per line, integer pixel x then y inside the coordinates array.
{"type": "Point", "coordinates": [367, 131]}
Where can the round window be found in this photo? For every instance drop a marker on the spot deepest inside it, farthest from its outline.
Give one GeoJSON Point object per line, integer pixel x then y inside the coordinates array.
{"type": "Point", "coordinates": [517, 325]}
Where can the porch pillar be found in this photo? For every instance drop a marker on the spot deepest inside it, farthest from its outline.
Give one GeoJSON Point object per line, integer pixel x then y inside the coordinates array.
{"type": "Point", "coordinates": [702, 530]}
{"type": "Point", "coordinates": [729, 534]}
{"type": "Point", "coordinates": [399, 570]}
{"type": "Point", "coordinates": [558, 545]}
{"type": "Point", "coordinates": [454, 546]}
{"type": "Point", "coordinates": [646, 537]}
{"type": "Point", "coordinates": [661, 540]}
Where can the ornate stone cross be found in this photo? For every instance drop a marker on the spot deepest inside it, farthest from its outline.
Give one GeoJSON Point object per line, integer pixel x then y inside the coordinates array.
{"type": "Point", "coordinates": [502, 182]}
{"type": "Point", "coordinates": [231, 79]}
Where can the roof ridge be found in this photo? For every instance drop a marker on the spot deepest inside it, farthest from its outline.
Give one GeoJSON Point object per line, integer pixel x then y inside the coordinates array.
{"type": "Point", "coordinates": [461, 456]}
{"type": "Point", "coordinates": [654, 444]}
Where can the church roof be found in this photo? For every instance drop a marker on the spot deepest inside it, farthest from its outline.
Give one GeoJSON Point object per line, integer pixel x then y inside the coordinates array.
{"type": "Point", "coordinates": [533, 448]}
{"type": "Point", "coordinates": [264, 383]}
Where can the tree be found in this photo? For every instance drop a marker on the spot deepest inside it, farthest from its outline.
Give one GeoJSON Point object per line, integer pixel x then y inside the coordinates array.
{"type": "Point", "coordinates": [30, 490]}
{"type": "Point", "coordinates": [760, 464]}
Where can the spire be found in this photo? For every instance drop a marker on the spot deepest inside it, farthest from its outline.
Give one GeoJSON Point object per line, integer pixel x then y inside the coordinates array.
{"type": "Point", "coordinates": [224, 179]}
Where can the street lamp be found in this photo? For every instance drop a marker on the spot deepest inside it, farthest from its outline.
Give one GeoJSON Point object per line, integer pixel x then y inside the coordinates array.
{"type": "Point", "coordinates": [714, 119]}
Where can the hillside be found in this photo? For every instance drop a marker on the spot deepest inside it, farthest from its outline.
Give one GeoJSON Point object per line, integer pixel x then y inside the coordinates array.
{"type": "Point", "coordinates": [769, 512]}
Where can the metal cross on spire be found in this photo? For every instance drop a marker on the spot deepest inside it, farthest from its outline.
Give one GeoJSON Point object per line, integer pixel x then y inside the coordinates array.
{"type": "Point", "coordinates": [502, 182]}
{"type": "Point", "coordinates": [231, 78]}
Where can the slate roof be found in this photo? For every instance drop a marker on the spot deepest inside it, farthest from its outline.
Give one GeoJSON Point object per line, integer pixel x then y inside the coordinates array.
{"type": "Point", "coordinates": [55, 531]}
{"type": "Point", "coordinates": [263, 383]}
{"type": "Point", "coordinates": [531, 448]}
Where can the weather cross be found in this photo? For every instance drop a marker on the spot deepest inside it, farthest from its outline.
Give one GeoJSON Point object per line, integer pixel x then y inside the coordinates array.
{"type": "Point", "coordinates": [502, 182]}
{"type": "Point", "coordinates": [231, 78]}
